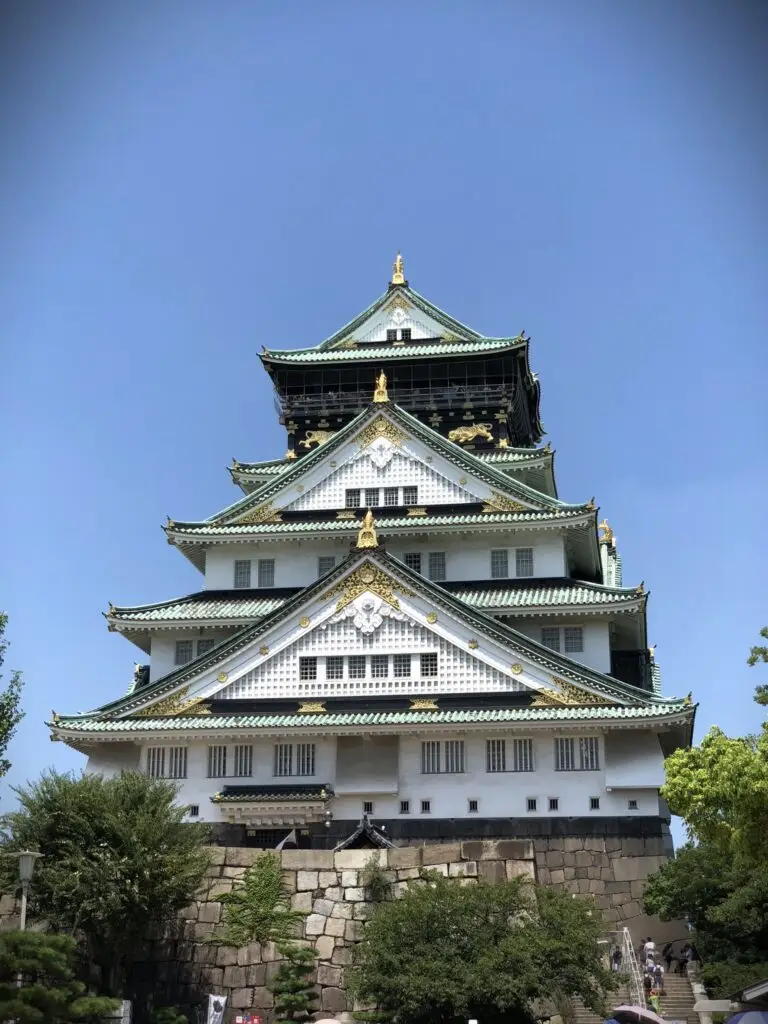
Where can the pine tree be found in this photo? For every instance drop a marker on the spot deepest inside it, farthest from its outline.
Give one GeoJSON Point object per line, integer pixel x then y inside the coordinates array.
{"type": "Point", "coordinates": [292, 986]}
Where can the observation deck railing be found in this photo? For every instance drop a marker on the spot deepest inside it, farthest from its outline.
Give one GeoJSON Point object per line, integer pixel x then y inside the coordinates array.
{"type": "Point", "coordinates": [334, 402]}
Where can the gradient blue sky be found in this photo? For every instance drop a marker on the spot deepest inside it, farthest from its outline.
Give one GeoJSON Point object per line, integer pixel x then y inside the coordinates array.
{"type": "Point", "coordinates": [184, 182]}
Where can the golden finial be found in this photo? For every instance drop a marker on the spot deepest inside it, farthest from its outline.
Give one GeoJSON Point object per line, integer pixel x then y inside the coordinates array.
{"type": "Point", "coordinates": [380, 392]}
{"type": "Point", "coordinates": [290, 454]}
{"type": "Point", "coordinates": [591, 505]}
{"type": "Point", "coordinates": [235, 463]}
{"type": "Point", "coordinates": [607, 537]}
{"type": "Point", "coordinates": [640, 589]}
{"type": "Point", "coordinates": [55, 719]}
{"type": "Point", "coordinates": [398, 268]}
{"type": "Point", "coordinates": [367, 538]}
{"type": "Point", "coordinates": [547, 448]}
{"type": "Point", "coordinates": [688, 699]}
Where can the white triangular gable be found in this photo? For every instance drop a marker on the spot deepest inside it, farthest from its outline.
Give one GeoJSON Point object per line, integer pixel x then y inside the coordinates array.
{"type": "Point", "coordinates": [396, 314]}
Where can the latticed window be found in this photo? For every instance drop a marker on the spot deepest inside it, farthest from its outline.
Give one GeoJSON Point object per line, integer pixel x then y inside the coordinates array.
{"type": "Point", "coordinates": [334, 668]}
{"type": "Point", "coordinates": [401, 666]}
{"type": "Point", "coordinates": [183, 652]}
{"type": "Point", "coordinates": [352, 498]}
{"type": "Point", "coordinates": [437, 565]}
{"type": "Point", "coordinates": [305, 758]}
{"type": "Point", "coordinates": [177, 763]}
{"type": "Point", "coordinates": [554, 803]}
{"type": "Point", "coordinates": [531, 803]}
{"type": "Point", "coordinates": [495, 756]}
{"type": "Point", "coordinates": [410, 495]}
{"type": "Point", "coordinates": [405, 334]}
{"type": "Point", "coordinates": [242, 578]}
{"type": "Point", "coordinates": [594, 803]}
{"type": "Point", "coordinates": [379, 666]}
{"type": "Point", "coordinates": [325, 563]}
{"type": "Point", "coordinates": [454, 756]}
{"type": "Point", "coordinates": [217, 762]}
{"type": "Point", "coordinates": [266, 572]}
{"type": "Point", "coordinates": [156, 762]}
{"type": "Point", "coordinates": [589, 754]}
{"type": "Point", "coordinates": [413, 560]}
{"type": "Point", "coordinates": [429, 665]}
{"type": "Point", "coordinates": [550, 637]}
{"type": "Point", "coordinates": [203, 646]}
{"type": "Point", "coordinates": [430, 757]}
{"type": "Point", "coordinates": [426, 806]}
{"type": "Point", "coordinates": [371, 496]}
{"type": "Point", "coordinates": [244, 760]}
{"type": "Point", "coordinates": [392, 334]}
{"type": "Point", "coordinates": [522, 756]}
{"type": "Point", "coordinates": [499, 564]}
{"type": "Point", "coordinates": [565, 754]}
{"type": "Point", "coordinates": [573, 639]}
{"type": "Point", "coordinates": [405, 806]}
{"type": "Point", "coordinates": [307, 668]}
{"type": "Point", "coordinates": [283, 759]}
{"type": "Point", "coordinates": [390, 496]}
{"type": "Point", "coordinates": [357, 666]}
{"type": "Point", "coordinates": [524, 562]}
{"type": "Point", "coordinates": [472, 806]}
{"type": "Point", "coordinates": [367, 806]}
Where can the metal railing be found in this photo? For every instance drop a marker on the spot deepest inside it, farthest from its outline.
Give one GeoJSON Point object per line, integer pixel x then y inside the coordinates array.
{"type": "Point", "coordinates": [632, 969]}
{"type": "Point", "coordinates": [409, 398]}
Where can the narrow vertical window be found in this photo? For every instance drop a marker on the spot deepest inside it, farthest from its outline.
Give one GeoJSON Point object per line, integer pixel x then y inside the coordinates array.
{"type": "Point", "coordinates": [244, 761]}
{"type": "Point", "coordinates": [573, 639]}
{"type": "Point", "coordinates": [203, 646]}
{"type": "Point", "coordinates": [499, 565]}
{"type": "Point", "coordinates": [564, 754]}
{"type": "Point", "coordinates": [594, 803]}
{"type": "Point", "coordinates": [217, 762]}
{"type": "Point", "coordinates": [430, 757]}
{"type": "Point", "coordinates": [183, 652]}
{"type": "Point", "coordinates": [305, 758]}
{"type": "Point", "coordinates": [550, 637]}
{"type": "Point", "coordinates": [531, 803]}
{"type": "Point", "coordinates": [266, 572]}
{"type": "Point", "coordinates": [410, 495]}
{"type": "Point", "coordinates": [454, 756]}
{"type": "Point", "coordinates": [429, 665]}
{"type": "Point", "coordinates": [367, 806]}
{"type": "Point", "coordinates": [177, 762]}
{"type": "Point", "coordinates": [307, 668]}
{"type": "Point", "coordinates": [472, 806]}
{"type": "Point", "coordinates": [522, 755]}
{"type": "Point", "coordinates": [405, 806]}
{"type": "Point", "coordinates": [426, 806]}
{"type": "Point", "coordinates": [524, 562]}
{"type": "Point", "coordinates": [283, 759]}
{"type": "Point", "coordinates": [413, 560]}
{"type": "Point", "coordinates": [437, 566]}
{"type": "Point", "coordinates": [242, 578]}
{"type": "Point", "coordinates": [495, 756]}
{"type": "Point", "coordinates": [325, 563]}
{"type": "Point", "coordinates": [156, 762]}
{"type": "Point", "coordinates": [589, 753]}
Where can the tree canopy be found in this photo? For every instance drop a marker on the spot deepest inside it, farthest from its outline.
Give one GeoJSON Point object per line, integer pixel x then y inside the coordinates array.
{"type": "Point", "coordinates": [449, 951]}
{"type": "Point", "coordinates": [10, 701]}
{"type": "Point", "coordinates": [118, 859]}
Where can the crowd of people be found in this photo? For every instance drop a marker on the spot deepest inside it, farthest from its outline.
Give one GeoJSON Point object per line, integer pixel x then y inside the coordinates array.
{"type": "Point", "coordinates": [651, 965]}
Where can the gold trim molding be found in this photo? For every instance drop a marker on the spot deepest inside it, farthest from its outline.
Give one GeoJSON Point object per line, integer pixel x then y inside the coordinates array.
{"type": "Point", "coordinates": [266, 513]}
{"type": "Point", "coordinates": [174, 705]}
{"type": "Point", "coordinates": [367, 577]}
{"type": "Point", "coordinates": [567, 694]}
{"type": "Point", "coordinates": [501, 503]}
{"type": "Point", "coordinates": [312, 707]}
{"type": "Point", "coordinates": [423, 704]}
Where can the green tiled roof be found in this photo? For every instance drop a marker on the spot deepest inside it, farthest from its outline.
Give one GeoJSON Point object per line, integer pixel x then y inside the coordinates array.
{"type": "Point", "coordinates": [504, 455]}
{"type": "Point", "coordinates": [575, 593]}
{"type": "Point", "coordinates": [272, 467]}
{"type": "Point", "coordinates": [375, 352]}
{"type": "Point", "coordinates": [186, 609]}
{"type": "Point", "coordinates": [375, 718]}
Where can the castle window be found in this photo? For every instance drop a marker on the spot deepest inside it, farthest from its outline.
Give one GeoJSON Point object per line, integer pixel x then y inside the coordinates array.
{"type": "Point", "coordinates": [305, 758]}
{"type": "Point", "coordinates": [569, 758]}
{"type": "Point", "coordinates": [217, 762]}
{"type": "Point", "coordinates": [357, 666]}
{"type": "Point", "coordinates": [392, 334]}
{"type": "Point", "coordinates": [283, 764]}
{"type": "Point", "coordinates": [426, 806]}
{"type": "Point", "coordinates": [594, 803]}
{"type": "Point", "coordinates": [524, 562]}
{"type": "Point", "coordinates": [410, 495]}
{"type": "Point", "coordinates": [430, 757]}
{"type": "Point", "coordinates": [531, 803]}
{"type": "Point", "coordinates": [325, 563]}
{"type": "Point", "coordinates": [352, 498]}
{"type": "Point", "coordinates": [413, 560]}
{"type": "Point", "coordinates": [242, 578]}
{"type": "Point", "coordinates": [522, 755]}
{"type": "Point", "coordinates": [266, 572]}
{"type": "Point", "coordinates": [401, 666]}
{"type": "Point", "coordinates": [307, 668]}
{"type": "Point", "coordinates": [573, 639]}
{"type": "Point", "coordinates": [472, 806]}
{"type": "Point", "coordinates": [554, 803]}
{"type": "Point", "coordinates": [632, 805]}
{"type": "Point", "coordinates": [156, 762]}
{"type": "Point", "coordinates": [405, 806]}
{"type": "Point", "coordinates": [334, 667]}
{"type": "Point", "coordinates": [203, 646]}
{"type": "Point", "coordinates": [193, 810]}
{"type": "Point", "coordinates": [405, 334]}
{"type": "Point", "coordinates": [589, 753]}
{"type": "Point", "coordinates": [495, 756]}
{"type": "Point", "coordinates": [367, 806]}
{"type": "Point", "coordinates": [183, 652]}
{"type": "Point", "coordinates": [371, 496]}
{"type": "Point", "coordinates": [454, 756]}
{"type": "Point", "coordinates": [390, 496]}
{"type": "Point", "coordinates": [176, 763]}
{"type": "Point", "coordinates": [550, 637]}
{"type": "Point", "coordinates": [429, 665]}
{"type": "Point", "coordinates": [379, 666]}
{"type": "Point", "coordinates": [244, 761]}
{"type": "Point", "coordinates": [499, 565]}
{"type": "Point", "coordinates": [436, 565]}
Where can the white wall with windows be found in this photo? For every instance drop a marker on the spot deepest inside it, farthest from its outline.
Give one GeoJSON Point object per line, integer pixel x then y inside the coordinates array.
{"type": "Point", "coordinates": [585, 641]}
{"type": "Point", "coordinates": [295, 563]}
{"type": "Point", "coordinates": [173, 649]}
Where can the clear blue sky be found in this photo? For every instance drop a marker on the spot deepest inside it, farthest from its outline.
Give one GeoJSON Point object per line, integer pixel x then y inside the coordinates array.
{"type": "Point", "coordinates": [186, 181]}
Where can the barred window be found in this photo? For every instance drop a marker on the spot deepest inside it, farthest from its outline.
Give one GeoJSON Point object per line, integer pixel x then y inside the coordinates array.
{"type": "Point", "coordinates": [410, 495]}
{"type": "Point", "coordinates": [554, 803]}
{"type": "Point", "coordinates": [430, 757]}
{"type": "Point", "coordinates": [203, 646]}
{"type": "Point", "coordinates": [495, 756]}
{"type": "Point", "coordinates": [390, 496]}
{"type": "Point", "coordinates": [472, 806]}
{"type": "Point", "coordinates": [283, 759]}
{"type": "Point", "coordinates": [305, 758]}
{"type": "Point", "coordinates": [405, 806]}
{"type": "Point", "coordinates": [429, 665]}
{"type": "Point", "coordinates": [217, 762]}
{"type": "Point", "coordinates": [405, 334]}
{"type": "Point", "coordinates": [589, 753]}
{"type": "Point", "coordinates": [531, 803]}
{"type": "Point", "coordinates": [177, 762]}
{"type": "Point", "coordinates": [594, 803]}
{"type": "Point", "coordinates": [352, 498]}
{"type": "Point", "coordinates": [524, 562]}
{"type": "Point", "coordinates": [522, 755]}
{"type": "Point", "coordinates": [437, 566]}
{"type": "Point", "coordinates": [499, 564]}
{"type": "Point", "coordinates": [266, 572]}
{"type": "Point", "coordinates": [334, 667]}
{"type": "Point", "coordinates": [371, 496]}
{"type": "Point", "coordinates": [242, 578]}
{"type": "Point", "coordinates": [244, 761]}
{"type": "Point", "coordinates": [307, 668]}
{"type": "Point", "coordinates": [550, 637]}
{"type": "Point", "coordinates": [156, 762]}
{"type": "Point", "coordinates": [565, 760]}
{"type": "Point", "coordinates": [183, 652]}
{"type": "Point", "coordinates": [392, 334]}
{"type": "Point", "coordinates": [454, 756]}
{"type": "Point", "coordinates": [357, 666]}
{"type": "Point", "coordinates": [367, 806]}
{"type": "Point", "coordinates": [379, 666]}
{"type": "Point", "coordinates": [632, 805]}
{"type": "Point", "coordinates": [573, 640]}
{"type": "Point", "coordinates": [193, 810]}
{"type": "Point", "coordinates": [401, 666]}
{"type": "Point", "coordinates": [426, 806]}
{"type": "Point", "coordinates": [325, 563]}
{"type": "Point", "coordinates": [413, 560]}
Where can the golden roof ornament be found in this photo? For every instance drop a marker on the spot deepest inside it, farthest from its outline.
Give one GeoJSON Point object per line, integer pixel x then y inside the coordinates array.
{"type": "Point", "coordinates": [398, 270]}
{"type": "Point", "coordinates": [607, 534]}
{"type": "Point", "coordinates": [380, 392]}
{"type": "Point", "coordinates": [367, 538]}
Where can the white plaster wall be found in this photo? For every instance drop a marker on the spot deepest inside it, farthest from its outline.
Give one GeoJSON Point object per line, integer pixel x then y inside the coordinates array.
{"type": "Point", "coordinates": [597, 641]}
{"type": "Point", "coordinates": [163, 647]}
{"type": "Point", "coordinates": [633, 759]}
{"type": "Point", "coordinates": [111, 759]}
{"type": "Point", "coordinates": [295, 561]}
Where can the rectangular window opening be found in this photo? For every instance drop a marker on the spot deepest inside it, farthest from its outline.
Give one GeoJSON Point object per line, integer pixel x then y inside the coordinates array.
{"type": "Point", "coordinates": [524, 562]}
{"type": "Point", "coordinates": [390, 496]}
{"type": "Point", "coordinates": [325, 563]}
{"type": "Point", "coordinates": [553, 803]}
{"type": "Point", "coordinates": [499, 565]}
{"type": "Point", "coordinates": [550, 637]}
{"type": "Point", "coordinates": [410, 495]}
{"type": "Point", "coordinates": [367, 806]}
{"type": "Point", "coordinates": [632, 805]}
{"type": "Point", "coordinates": [531, 803]}
{"type": "Point", "coordinates": [352, 498]}
{"type": "Point", "coordinates": [437, 566]}
{"type": "Point", "coordinates": [573, 640]}
{"type": "Point", "coordinates": [242, 578]}
{"type": "Point", "coordinates": [495, 755]}
{"type": "Point", "coordinates": [413, 560]}
{"type": "Point", "coordinates": [372, 497]}
{"type": "Point", "coordinates": [454, 756]}
{"type": "Point", "coordinates": [429, 665]}
{"type": "Point", "coordinates": [183, 652]}
{"type": "Point", "coordinates": [307, 668]}
{"type": "Point", "coordinates": [379, 666]}
{"type": "Point", "coordinates": [426, 806]}
{"type": "Point", "coordinates": [594, 803]}
{"type": "Point", "coordinates": [472, 806]}
{"type": "Point", "coordinates": [430, 757]}
{"type": "Point", "coordinates": [522, 755]}
{"type": "Point", "coordinates": [334, 667]}
{"type": "Point", "coordinates": [217, 762]}
{"type": "Point", "coordinates": [405, 334]}
{"type": "Point", "coordinates": [193, 810]}
{"type": "Point", "coordinates": [405, 806]}
{"type": "Point", "coordinates": [244, 761]}
{"type": "Point", "coordinates": [266, 572]}
{"type": "Point", "coordinates": [392, 334]}
{"type": "Point", "coordinates": [283, 764]}
{"type": "Point", "coordinates": [401, 666]}
{"type": "Point", "coordinates": [357, 666]}
{"type": "Point", "coordinates": [203, 646]}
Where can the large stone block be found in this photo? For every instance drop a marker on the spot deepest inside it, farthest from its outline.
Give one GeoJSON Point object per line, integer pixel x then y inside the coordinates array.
{"type": "Point", "coordinates": [356, 860]}
{"type": "Point", "coordinates": [187, 914]}
{"type": "Point", "coordinates": [315, 924]}
{"type": "Point", "coordinates": [226, 955]}
{"type": "Point", "coordinates": [325, 945]}
{"type": "Point", "coordinates": [210, 912]}
{"type": "Point", "coordinates": [302, 901]}
{"type": "Point", "coordinates": [256, 975]}
{"type": "Point", "coordinates": [216, 854]}
{"type": "Point", "coordinates": [342, 955]}
{"type": "Point", "coordinates": [516, 868]}
{"type": "Point", "coordinates": [493, 871]}
{"type": "Point", "coordinates": [289, 880]}
{"type": "Point", "coordinates": [323, 907]}
{"type": "Point", "coordinates": [349, 879]}
{"type": "Point", "coordinates": [262, 999]}
{"type": "Point", "coordinates": [269, 953]}
{"type": "Point", "coordinates": [442, 853]}
{"type": "Point", "coordinates": [636, 889]}
{"type": "Point", "coordinates": [241, 856]}
{"type": "Point", "coordinates": [241, 999]}
{"type": "Point", "coordinates": [633, 847]}
{"type": "Point", "coordinates": [329, 976]}
{"type": "Point", "coordinates": [515, 849]}
{"type": "Point", "coordinates": [362, 911]}
{"type": "Point", "coordinates": [205, 953]}
{"type": "Point", "coordinates": [630, 910]}
{"type": "Point", "coordinates": [554, 859]}
{"type": "Point", "coordinates": [583, 859]}
{"type": "Point", "coordinates": [570, 873]}
{"type": "Point", "coordinates": [573, 843]}
{"type": "Point", "coordinates": [354, 895]}
{"type": "Point", "coordinates": [250, 954]}
{"type": "Point", "coordinates": [632, 869]}
{"type": "Point", "coordinates": [335, 926]}
{"type": "Point", "coordinates": [333, 1000]}
{"type": "Point", "coordinates": [463, 868]}
{"type": "Point", "coordinates": [404, 874]}
{"type": "Point", "coordinates": [557, 877]}
{"type": "Point", "coordinates": [325, 879]}
{"type": "Point", "coordinates": [334, 893]}
{"type": "Point", "coordinates": [212, 976]}
{"type": "Point", "coordinates": [342, 910]}
{"type": "Point", "coordinates": [353, 931]}
{"type": "Point", "coordinates": [306, 881]}
{"type": "Point", "coordinates": [234, 977]}
{"type": "Point", "coordinates": [596, 844]}
{"type": "Point", "coordinates": [308, 860]}
{"type": "Point", "coordinates": [404, 857]}
{"type": "Point", "coordinates": [202, 930]}
{"type": "Point", "coordinates": [228, 872]}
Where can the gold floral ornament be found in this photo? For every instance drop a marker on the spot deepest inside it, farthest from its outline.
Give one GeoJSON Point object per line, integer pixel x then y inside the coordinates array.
{"type": "Point", "coordinates": [266, 513]}
{"type": "Point", "coordinates": [473, 645]}
{"type": "Point", "coordinates": [222, 677]}
{"type": "Point", "coordinates": [432, 617]}
{"type": "Point", "coordinates": [304, 622]}
{"type": "Point", "coordinates": [567, 694]}
{"type": "Point", "coordinates": [380, 393]}
{"type": "Point", "coordinates": [380, 427]}
{"type": "Point", "coordinates": [312, 707]}
{"type": "Point", "coordinates": [174, 705]}
{"type": "Point", "coordinates": [264, 651]}
{"type": "Point", "coordinates": [423, 704]}
{"type": "Point", "coordinates": [367, 577]}
{"type": "Point", "coordinates": [501, 503]}
{"type": "Point", "coordinates": [367, 538]}
{"type": "Point", "coordinates": [516, 669]}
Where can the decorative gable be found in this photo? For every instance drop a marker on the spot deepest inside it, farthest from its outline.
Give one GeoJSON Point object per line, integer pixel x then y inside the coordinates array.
{"type": "Point", "coordinates": [399, 314]}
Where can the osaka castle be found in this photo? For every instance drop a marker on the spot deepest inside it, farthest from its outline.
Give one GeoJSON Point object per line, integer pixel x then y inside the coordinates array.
{"type": "Point", "coordinates": [401, 631]}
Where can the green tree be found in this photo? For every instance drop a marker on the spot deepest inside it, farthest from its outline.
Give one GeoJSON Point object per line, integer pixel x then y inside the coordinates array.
{"type": "Point", "coordinates": [118, 859]}
{"type": "Point", "coordinates": [450, 952]}
{"type": "Point", "coordinates": [259, 910]}
{"type": "Point", "coordinates": [293, 985]}
{"type": "Point", "coordinates": [10, 702]}
{"type": "Point", "coordinates": [759, 655]}
{"type": "Point", "coordinates": [49, 991]}
{"type": "Point", "coordinates": [168, 1015]}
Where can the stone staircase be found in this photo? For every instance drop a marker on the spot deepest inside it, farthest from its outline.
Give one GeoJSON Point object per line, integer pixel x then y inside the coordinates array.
{"type": "Point", "coordinates": [676, 1003]}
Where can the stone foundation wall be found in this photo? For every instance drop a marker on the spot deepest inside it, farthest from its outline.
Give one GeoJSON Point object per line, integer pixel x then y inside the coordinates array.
{"type": "Point", "coordinates": [181, 966]}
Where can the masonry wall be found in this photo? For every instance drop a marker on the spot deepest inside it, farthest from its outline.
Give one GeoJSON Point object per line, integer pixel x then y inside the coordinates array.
{"type": "Point", "coordinates": [181, 966]}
